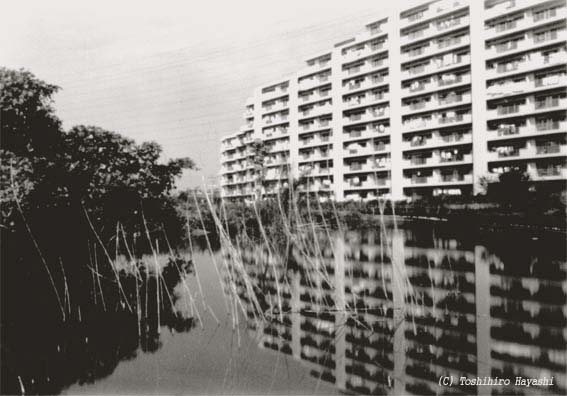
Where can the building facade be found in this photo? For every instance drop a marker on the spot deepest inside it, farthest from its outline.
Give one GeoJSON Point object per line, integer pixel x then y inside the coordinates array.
{"type": "Point", "coordinates": [425, 101]}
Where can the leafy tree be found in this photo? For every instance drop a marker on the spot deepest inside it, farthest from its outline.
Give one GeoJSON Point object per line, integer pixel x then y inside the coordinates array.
{"type": "Point", "coordinates": [46, 168]}
{"type": "Point", "coordinates": [512, 190]}
{"type": "Point", "coordinates": [29, 124]}
{"type": "Point", "coordinates": [259, 152]}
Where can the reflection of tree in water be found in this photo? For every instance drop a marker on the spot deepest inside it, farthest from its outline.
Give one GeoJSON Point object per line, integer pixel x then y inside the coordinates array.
{"type": "Point", "coordinates": [46, 356]}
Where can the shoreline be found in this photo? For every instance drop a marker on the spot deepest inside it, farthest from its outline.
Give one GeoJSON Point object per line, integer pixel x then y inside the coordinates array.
{"type": "Point", "coordinates": [476, 220]}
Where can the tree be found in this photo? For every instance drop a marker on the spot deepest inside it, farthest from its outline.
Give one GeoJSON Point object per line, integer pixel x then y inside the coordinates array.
{"type": "Point", "coordinates": [45, 167]}
{"type": "Point", "coordinates": [29, 126]}
{"type": "Point", "coordinates": [259, 152]}
{"type": "Point", "coordinates": [512, 189]}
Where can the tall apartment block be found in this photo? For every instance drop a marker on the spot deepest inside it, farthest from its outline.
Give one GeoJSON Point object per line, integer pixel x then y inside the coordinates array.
{"type": "Point", "coordinates": [425, 101]}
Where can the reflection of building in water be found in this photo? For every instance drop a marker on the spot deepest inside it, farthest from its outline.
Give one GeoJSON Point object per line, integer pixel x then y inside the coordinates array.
{"type": "Point", "coordinates": [528, 319]}
{"type": "Point", "coordinates": [377, 316]}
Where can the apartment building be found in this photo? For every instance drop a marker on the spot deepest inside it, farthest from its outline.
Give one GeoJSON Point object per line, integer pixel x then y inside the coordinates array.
{"type": "Point", "coordinates": [425, 101]}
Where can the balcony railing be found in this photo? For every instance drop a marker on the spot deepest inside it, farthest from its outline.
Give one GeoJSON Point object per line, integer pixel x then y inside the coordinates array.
{"type": "Point", "coordinates": [434, 10]}
{"type": "Point", "coordinates": [275, 106]}
{"type": "Point", "coordinates": [435, 28]}
{"type": "Point", "coordinates": [505, 152]}
{"type": "Point", "coordinates": [314, 96]}
{"type": "Point", "coordinates": [439, 140]}
{"type": "Point", "coordinates": [366, 83]}
{"type": "Point", "coordinates": [312, 126]}
{"type": "Point", "coordinates": [434, 66]}
{"type": "Point", "coordinates": [436, 83]}
{"type": "Point", "coordinates": [548, 149]}
{"type": "Point", "coordinates": [458, 177]}
{"type": "Point", "coordinates": [275, 120]}
{"type": "Point", "coordinates": [313, 82]}
{"type": "Point", "coordinates": [552, 171]}
{"type": "Point", "coordinates": [526, 108]}
{"type": "Point", "coordinates": [367, 115]}
{"type": "Point", "coordinates": [279, 91]}
{"type": "Point", "coordinates": [436, 160]}
{"type": "Point", "coordinates": [433, 49]}
{"type": "Point", "coordinates": [526, 43]}
{"type": "Point", "coordinates": [439, 179]}
{"type": "Point", "coordinates": [433, 122]}
{"type": "Point", "coordinates": [316, 110]}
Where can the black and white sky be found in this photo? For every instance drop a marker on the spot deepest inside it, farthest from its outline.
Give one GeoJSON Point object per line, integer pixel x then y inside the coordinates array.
{"type": "Point", "coordinates": [176, 72]}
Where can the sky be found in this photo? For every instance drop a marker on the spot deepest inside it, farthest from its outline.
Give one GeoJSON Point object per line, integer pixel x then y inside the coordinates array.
{"type": "Point", "coordinates": [175, 72]}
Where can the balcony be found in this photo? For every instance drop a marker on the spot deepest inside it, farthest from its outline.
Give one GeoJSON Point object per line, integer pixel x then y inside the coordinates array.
{"type": "Point", "coordinates": [366, 100]}
{"type": "Point", "coordinates": [436, 103]}
{"type": "Point", "coordinates": [436, 160]}
{"type": "Point", "coordinates": [531, 151]}
{"type": "Point", "coordinates": [315, 156]}
{"type": "Point", "coordinates": [437, 140]}
{"type": "Point", "coordinates": [434, 66]}
{"type": "Point", "coordinates": [366, 83]}
{"type": "Point", "coordinates": [241, 154]}
{"type": "Point", "coordinates": [368, 167]}
{"type": "Point", "coordinates": [314, 126]}
{"type": "Point", "coordinates": [274, 133]}
{"type": "Point", "coordinates": [367, 133]}
{"type": "Point", "coordinates": [367, 116]}
{"type": "Point", "coordinates": [434, 10]}
{"type": "Point", "coordinates": [529, 21]}
{"type": "Point", "coordinates": [435, 29]}
{"type": "Point", "coordinates": [276, 161]}
{"type": "Point", "coordinates": [536, 61]}
{"type": "Point", "coordinates": [315, 96]}
{"type": "Point", "coordinates": [525, 44]}
{"type": "Point", "coordinates": [246, 127]}
{"type": "Point", "coordinates": [274, 120]}
{"type": "Point", "coordinates": [316, 171]}
{"type": "Point", "coordinates": [316, 111]}
{"type": "Point", "coordinates": [509, 7]}
{"type": "Point", "coordinates": [550, 173]}
{"type": "Point", "coordinates": [438, 179]}
{"type": "Point", "coordinates": [529, 84]}
{"type": "Point", "coordinates": [312, 82]}
{"type": "Point", "coordinates": [318, 65]}
{"type": "Point", "coordinates": [370, 33]}
{"type": "Point", "coordinates": [435, 122]}
{"type": "Point", "coordinates": [315, 187]}
{"type": "Point", "coordinates": [371, 183]}
{"type": "Point", "coordinates": [275, 93]}
{"type": "Point", "coordinates": [437, 83]}
{"type": "Point", "coordinates": [549, 104]}
{"type": "Point", "coordinates": [315, 141]}
{"type": "Point", "coordinates": [369, 49]}
{"type": "Point", "coordinates": [355, 150]}
{"type": "Point", "coordinates": [366, 67]}
{"type": "Point", "coordinates": [280, 146]}
{"type": "Point", "coordinates": [433, 49]}
{"type": "Point", "coordinates": [234, 168]}
{"type": "Point", "coordinates": [531, 129]}
{"type": "Point", "coordinates": [276, 174]}
{"type": "Point", "coordinates": [278, 106]}
{"type": "Point", "coordinates": [236, 181]}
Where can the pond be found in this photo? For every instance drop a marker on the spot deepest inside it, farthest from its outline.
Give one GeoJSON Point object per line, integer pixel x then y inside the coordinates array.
{"type": "Point", "coordinates": [383, 311]}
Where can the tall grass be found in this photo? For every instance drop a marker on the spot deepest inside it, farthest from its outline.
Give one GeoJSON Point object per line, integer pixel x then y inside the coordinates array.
{"type": "Point", "coordinates": [292, 236]}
